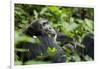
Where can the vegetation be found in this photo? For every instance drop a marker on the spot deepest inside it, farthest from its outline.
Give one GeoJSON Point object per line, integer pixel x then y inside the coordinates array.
{"type": "Point", "coordinates": [71, 21]}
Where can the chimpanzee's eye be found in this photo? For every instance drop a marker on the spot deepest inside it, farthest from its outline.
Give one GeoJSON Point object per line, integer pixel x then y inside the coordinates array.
{"type": "Point", "coordinates": [44, 23]}
{"type": "Point", "coordinates": [50, 28]}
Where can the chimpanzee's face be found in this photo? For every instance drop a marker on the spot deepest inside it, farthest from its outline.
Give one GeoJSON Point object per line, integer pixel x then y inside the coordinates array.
{"type": "Point", "coordinates": [47, 28]}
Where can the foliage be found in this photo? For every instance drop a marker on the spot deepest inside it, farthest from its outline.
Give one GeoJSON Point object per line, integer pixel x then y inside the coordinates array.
{"type": "Point", "coordinates": [62, 20]}
{"type": "Point", "coordinates": [51, 51]}
{"type": "Point", "coordinates": [19, 38]}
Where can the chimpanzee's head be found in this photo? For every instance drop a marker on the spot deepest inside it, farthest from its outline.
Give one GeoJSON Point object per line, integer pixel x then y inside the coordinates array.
{"type": "Point", "coordinates": [40, 27]}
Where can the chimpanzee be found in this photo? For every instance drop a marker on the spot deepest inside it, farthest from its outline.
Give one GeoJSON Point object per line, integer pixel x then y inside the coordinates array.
{"type": "Point", "coordinates": [47, 48]}
{"type": "Point", "coordinates": [88, 42]}
{"type": "Point", "coordinates": [88, 50]}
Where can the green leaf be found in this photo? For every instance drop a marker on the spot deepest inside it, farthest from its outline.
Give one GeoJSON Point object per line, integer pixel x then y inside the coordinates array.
{"type": "Point", "coordinates": [51, 51]}
{"type": "Point", "coordinates": [23, 38]}
{"type": "Point", "coordinates": [36, 14]}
